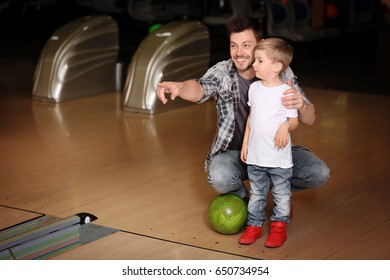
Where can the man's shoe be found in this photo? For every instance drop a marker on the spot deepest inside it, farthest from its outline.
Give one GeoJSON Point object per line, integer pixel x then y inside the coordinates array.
{"type": "Point", "coordinates": [277, 235]}
{"type": "Point", "coordinates": [250, 235]}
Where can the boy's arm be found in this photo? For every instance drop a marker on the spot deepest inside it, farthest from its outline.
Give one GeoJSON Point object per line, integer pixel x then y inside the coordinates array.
{"type": "Point", "coordinates": [292, 123]}
{"type": "Point", "coordinates": [244, 149]}
{"type": "Point", "coordinates": [282, 135]}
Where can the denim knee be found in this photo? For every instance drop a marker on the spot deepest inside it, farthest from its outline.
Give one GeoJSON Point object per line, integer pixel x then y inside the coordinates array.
{"type": "Point", "coordinates": [317, 176]}
{"type": "Point", "coordinates": [322, 175]}
{"type": "Point", "coordinates": [220, 182]}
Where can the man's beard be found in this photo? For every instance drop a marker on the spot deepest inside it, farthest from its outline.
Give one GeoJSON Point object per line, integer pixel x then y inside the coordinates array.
{"type": "Point", "coordinates": [243, 68]}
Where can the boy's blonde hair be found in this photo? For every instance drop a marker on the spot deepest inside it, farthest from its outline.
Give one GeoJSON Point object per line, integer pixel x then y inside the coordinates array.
{"type": "Point", "coordinates": [277, 50]}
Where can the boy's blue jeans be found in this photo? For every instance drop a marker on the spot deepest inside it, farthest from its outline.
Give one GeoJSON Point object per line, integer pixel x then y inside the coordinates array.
{"type": "Point", "coordinates": [227, 172]}
{"type": "Point", "coordinates": [260, 179]}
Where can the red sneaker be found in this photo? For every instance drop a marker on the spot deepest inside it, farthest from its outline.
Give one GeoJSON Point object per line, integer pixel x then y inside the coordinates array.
{"type": "Point", "coordinates": [250, 235]}
{"type": "Point", "coordinates": [277, 235]}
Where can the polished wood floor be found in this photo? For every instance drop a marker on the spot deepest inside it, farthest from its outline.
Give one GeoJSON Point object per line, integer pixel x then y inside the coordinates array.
{"type": "Point", "coordinates": [144, 175]}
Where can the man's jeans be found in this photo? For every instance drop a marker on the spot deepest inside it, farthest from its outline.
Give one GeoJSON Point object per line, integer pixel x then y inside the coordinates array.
{"type": "Point", "coordinates": [260, 179]}
{"type": "Point", "coordinates": [227, 172]}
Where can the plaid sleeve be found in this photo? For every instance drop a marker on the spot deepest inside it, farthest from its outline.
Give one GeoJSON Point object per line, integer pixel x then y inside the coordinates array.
{"type": "Point", "coordinates": [213, 80]}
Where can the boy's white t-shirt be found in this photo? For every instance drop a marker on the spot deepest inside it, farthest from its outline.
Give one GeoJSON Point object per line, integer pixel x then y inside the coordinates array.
{"type": "Point", "coordinates": [267, 114]}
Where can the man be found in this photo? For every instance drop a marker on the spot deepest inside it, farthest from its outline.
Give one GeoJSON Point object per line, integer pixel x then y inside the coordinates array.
{"type": "Point", "coordinates": [228, 83]}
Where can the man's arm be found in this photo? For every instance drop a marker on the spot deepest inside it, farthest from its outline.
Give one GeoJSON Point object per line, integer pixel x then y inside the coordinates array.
{"type": "Point", "coordinates": [307, 114]}
{"type": "Point", "coordinates": [293, 99]}
{"type": "Point", "coordinates": [189, 90]}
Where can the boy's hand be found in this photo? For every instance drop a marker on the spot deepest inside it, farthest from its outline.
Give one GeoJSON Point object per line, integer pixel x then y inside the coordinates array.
{"type": "Point", "coordinates": [244, 152]}
{"type": "Point", "coordinates": [281, 137]}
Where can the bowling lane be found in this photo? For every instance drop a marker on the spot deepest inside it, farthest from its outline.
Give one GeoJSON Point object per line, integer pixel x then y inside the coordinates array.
{"type": "Point", "coordinates": [11, 216]}
{"type": "Point", "coordinates": [144, 174]}
{"type": "Point", "coordinates": [126, 246]}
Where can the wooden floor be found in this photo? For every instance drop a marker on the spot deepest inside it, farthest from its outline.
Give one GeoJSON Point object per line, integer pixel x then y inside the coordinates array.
{"type": "Point", "coordinates": [144, 175]}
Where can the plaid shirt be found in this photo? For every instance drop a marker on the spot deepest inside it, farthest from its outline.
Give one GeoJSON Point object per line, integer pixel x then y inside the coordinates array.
{"type": "Point", "coordinates": [221, 83]}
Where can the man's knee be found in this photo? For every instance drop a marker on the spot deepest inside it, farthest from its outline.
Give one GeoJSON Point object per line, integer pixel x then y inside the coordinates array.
{"type": "Point", "coordinates": [323, 175]}
{"type": "Point", "coordinates": [219, 182]}
{"type": "Point", "coordinates": [310, 177]}
{"type": "Point", "coordinates": [319, 175]}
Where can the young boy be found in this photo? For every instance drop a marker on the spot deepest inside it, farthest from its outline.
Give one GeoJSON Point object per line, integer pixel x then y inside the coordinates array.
{"type": "Point", "coordinates": [267, 145]}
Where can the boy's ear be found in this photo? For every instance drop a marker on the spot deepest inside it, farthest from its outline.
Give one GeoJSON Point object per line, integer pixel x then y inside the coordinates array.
{"type": "Point", "coordinates": [278, 67]}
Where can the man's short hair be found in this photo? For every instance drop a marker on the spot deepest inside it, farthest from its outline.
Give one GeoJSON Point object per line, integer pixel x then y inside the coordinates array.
{"type": "Point", "coordinates": [240, 24]}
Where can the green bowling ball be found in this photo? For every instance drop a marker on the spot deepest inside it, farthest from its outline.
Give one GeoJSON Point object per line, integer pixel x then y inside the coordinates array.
{"type": "Point", "coordinates": [227, 213]}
